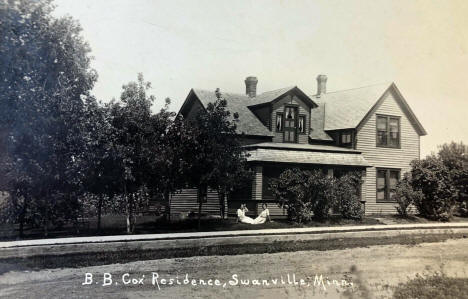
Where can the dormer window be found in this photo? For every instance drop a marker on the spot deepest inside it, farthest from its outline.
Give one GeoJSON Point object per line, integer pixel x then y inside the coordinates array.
{"type": "Point", "coordinates": [345, 138]}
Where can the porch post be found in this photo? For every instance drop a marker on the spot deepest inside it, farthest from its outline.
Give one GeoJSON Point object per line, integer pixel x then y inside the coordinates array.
{"type": "Point", "coordinates": [330, 172]}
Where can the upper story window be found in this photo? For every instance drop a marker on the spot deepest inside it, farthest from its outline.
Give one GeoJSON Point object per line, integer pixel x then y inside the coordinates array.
{"type": "Point", "coordinates": [279, 122]}
{"type": "Point", "coordinates": [301, 126]}
{"type": "Point", "coordinates": [346, 138]}
{"type": "Point", "coordinates": [290, 124]}
{"type": "Point", "coordinates": [388, 131]}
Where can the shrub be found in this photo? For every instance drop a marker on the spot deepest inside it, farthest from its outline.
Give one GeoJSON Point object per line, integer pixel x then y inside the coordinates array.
{"type": "Point", "coordinates": [405, 196]}
{"type": "Point", "coordinates": [434, 180]}
{"type": "Point", "coordinates": [348, 201]}
{"type": "Point", "coordinates": [305, 194]}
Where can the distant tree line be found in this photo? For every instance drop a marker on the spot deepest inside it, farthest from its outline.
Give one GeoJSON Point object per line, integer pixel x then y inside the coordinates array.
{"type": "Point", "coordinates": [67, 152]}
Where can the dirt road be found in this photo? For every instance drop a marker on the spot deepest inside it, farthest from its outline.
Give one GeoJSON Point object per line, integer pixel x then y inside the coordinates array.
{"type": "Point", "coordinates": [375, 269]}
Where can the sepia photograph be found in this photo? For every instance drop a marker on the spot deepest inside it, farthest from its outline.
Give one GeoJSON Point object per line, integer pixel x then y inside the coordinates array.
{"type": "Point", "coordinates": [234, 149]}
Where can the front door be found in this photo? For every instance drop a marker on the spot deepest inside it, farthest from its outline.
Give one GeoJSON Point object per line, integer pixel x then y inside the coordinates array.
{"type": "Point", "coordinates": [290, 124]}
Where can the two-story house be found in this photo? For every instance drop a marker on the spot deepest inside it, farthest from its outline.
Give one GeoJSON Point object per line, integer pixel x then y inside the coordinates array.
{"type": "Point", "coordinates": [369, 129]}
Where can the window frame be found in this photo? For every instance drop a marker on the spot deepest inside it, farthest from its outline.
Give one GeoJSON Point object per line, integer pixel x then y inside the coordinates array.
{"type": "Point", "coordinates": [304, 125]}
{"type": "Point", "coordinates": [387, 134]}
{"type": "Point", "coordinates": [387, 189]}
{"type": "Point", "coordinates": [296, 119]}
{"type": "Point", "coordinates": [351, 136]}
{"type": "Point", "coordinates": [282, 122]}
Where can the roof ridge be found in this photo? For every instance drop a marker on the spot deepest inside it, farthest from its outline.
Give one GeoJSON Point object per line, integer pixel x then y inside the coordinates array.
{"type": "Point", "coordinates": [371, 85]}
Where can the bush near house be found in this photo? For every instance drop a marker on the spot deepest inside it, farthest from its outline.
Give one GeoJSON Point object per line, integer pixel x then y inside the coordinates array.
{"type": "Point", "coordinates": [312, 194]}
{"type": "Point", "coordinates": [405, 196]}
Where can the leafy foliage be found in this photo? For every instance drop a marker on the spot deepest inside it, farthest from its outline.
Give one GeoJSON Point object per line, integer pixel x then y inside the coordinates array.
{"type": "Point", "coordinates": [347, 192]}
{"type": "Point", "coordinates": [455, 158]}
{"type": "Point", "coordinates": [45, 71]}
{"type": "Point", "coordinates": [305, 194]}
{"type": "Point", "coordinates": [212, 155]}
{"type": "Point", "coordinates": [434, 180]}
{"type": "Point", "coordinates": [405, 196]}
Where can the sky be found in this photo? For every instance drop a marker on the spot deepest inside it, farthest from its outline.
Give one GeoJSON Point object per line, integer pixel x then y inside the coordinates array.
{"type": "Point", "coordinates": [422, 46]}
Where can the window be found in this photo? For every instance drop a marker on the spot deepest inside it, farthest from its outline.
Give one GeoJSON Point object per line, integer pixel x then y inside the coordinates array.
{"type": "Point", "coordinates": [346, 138]}
{"type": "Point", "coordinates": [386, 183]}
{"type": "Point", "coordinates": [279, 122]}
{"type": "Point", "coordinates": [301, 125]}
{"type": "Point", "coordinates": [388, 131]}
{"type": "Point", "coordinates": [290, 124]}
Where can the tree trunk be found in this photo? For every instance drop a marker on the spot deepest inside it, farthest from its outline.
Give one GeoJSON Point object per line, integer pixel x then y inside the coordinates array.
{"type": "Point", "coordinates": [22, 216]}
{"type": "Point", "coordinates": [128, 210]}
{"type": "Point", "coordinates": [46, 221]}
{"type": "Point", "coordinates": [200, 203]}
{"type": "Point", "coordinates": [99, 211]}
{"type": "Point", "coordinates": [167, 199]}
{"type": "Point", "coordinates": [222, 197]}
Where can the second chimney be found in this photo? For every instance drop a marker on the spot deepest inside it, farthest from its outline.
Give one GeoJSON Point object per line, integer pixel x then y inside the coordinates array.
{"type": "Point", "coordinates": [251, 86]}
{"type": "Point", "coordinates": [321, 84]}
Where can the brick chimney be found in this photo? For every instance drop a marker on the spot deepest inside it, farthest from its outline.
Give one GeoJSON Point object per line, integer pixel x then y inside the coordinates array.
{"type": "Point", "coordinates": [251, 86]}
{"type": "Point", "coordinates": [321, 84]}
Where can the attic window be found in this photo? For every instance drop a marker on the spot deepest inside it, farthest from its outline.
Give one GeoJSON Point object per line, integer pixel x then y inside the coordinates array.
{"type": "Point", "coordinates": [346, 138]}
{"type": "Point", "coordinates": [279, 122]}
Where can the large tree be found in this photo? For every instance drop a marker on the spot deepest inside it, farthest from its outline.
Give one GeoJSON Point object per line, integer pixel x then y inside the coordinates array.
{"type": "Point", "coordinates": [45, 73]}
{"type": "Point", "coordinates": [212, 153]}
{"type": "Point", "coordinates": [133, 124]}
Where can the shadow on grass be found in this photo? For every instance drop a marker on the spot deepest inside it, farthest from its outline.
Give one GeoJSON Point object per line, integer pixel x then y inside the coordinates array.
{"type": "Point", "coordinates": [160, 226]}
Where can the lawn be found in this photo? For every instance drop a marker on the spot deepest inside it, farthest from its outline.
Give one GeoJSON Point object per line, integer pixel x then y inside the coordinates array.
{"type": "Point", "coordinates": [432, 287]}
{"type": "Point", "coordinates": [116, 225]}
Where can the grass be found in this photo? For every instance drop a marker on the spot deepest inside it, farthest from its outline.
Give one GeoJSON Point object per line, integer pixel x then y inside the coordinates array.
{"type": "Point", "coordinates": [102, 257]}
{"type": "Point", "coordinates": [115, 225]}
{"type": "Point", "coordinates": [432, 287]}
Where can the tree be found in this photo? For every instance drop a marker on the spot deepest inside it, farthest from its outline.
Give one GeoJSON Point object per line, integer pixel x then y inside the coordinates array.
{"type": "Point", "coordinates": [45, 71]}
{"type": "Point", "coordinates": [431, 177]}
{"type": "Point", "coordinates": [212, 156]}
{"type": "Point", "coordinates": [132, 122]}
{"type": "Point", "coordinates": [455, 158]}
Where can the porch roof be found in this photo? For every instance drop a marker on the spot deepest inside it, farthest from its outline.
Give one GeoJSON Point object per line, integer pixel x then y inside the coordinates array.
{"type": "Point", "coordinates": [305, 154]}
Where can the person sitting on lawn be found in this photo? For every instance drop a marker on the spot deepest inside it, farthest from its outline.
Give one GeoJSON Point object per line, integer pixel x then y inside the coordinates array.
{"type": "Point", "coordinates": [264, 215]}
{"type": "Point", "coordinates": [241, 215]}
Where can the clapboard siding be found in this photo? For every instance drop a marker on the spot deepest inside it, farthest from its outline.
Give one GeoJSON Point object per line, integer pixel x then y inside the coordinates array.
{"type": "Point", "coordinates": [385, 157]}
{"type": "Point", "coordinates": [303, 109]}
{"type": "Point", "coordinates": [185, 201]}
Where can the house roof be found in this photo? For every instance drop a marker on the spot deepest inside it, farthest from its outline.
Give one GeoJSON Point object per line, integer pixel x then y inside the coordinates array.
{"type": "Point", "coordinates": [317, 122]}
{"type": "Point", "coordinates": [346, 109]}
{"type": "Point", "coordinates": [301, 147]}
{"type": "Point", "coordinates": [248, 123]}
{"type": "Point", "coordinates": [300, 156]}
{"type": "Point", "coordinates": [271, 96]}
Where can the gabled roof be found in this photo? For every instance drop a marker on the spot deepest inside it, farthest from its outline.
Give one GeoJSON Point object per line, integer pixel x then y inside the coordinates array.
{"type": "Point", "coordinates": [271, 96]}
{"type": "Point", "coordinates": [317, 121]}
{"type": "Point", "coordinates": [346, 109]}
{"type": "Point", "coordinates": [248, 123]}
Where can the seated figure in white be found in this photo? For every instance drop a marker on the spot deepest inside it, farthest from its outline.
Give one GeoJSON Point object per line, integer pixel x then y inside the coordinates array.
{"type": "Point", "coordinates": [264, 215]}
{"type": "Point", "coordinates": [241, 215]}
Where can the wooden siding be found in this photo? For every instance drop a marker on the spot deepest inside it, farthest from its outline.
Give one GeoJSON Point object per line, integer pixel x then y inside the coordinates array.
{"type": "Point", "coordinates": [381, 157]}
{"type": "Point", "coordinates": [257, 183]}
{"type": "Point", "coordinates": [263, 114]}
{"type": "Point", "coordinates": [185, 201]}
{"type": "Point", "coordinates": [303, 109]}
